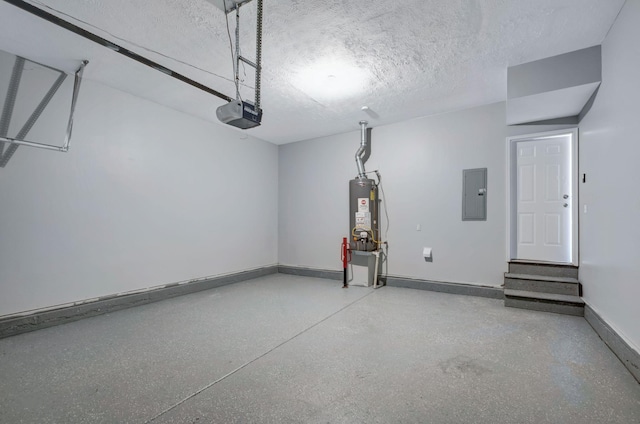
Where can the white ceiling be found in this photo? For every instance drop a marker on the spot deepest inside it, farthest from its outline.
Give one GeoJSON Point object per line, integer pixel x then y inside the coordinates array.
{"type": "Point", "coordinates": [410, 58]}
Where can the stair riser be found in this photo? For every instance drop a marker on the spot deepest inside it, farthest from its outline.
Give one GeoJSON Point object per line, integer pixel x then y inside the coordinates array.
{"type": "Point", "coordinates": [557, 308]}
{"type": "Point", "coordinates": [544, 270]}
{"type": "Point", "coordinates": [540, 286]}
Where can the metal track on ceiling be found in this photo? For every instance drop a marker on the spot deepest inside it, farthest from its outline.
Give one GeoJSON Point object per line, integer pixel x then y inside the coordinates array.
{"type": "Point", "coordinates": [27, 7]}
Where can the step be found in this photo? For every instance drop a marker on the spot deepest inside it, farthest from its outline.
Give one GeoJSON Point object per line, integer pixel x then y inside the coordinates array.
{"type": "Point", "coordinates": [545, 306]}
{"type": "Point", "coordinates": [551, 297]}
{"type": "Point", "coordinates": [543, 284]}
{"type": "Point", "coordinates": [546, 269]}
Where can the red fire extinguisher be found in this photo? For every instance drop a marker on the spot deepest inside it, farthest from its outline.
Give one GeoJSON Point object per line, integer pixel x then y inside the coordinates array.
{"type": "Point", "coordinates": [345, 256]}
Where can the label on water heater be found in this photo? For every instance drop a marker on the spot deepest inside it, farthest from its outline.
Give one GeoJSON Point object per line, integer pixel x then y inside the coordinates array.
{"type": "Point", "coordinates": [363, 220]}
{"type": "Point", "coordinates": [363, 204]}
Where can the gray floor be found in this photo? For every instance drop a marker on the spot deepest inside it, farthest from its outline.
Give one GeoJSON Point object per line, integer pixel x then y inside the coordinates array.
{"type": "Point", "coordinates": [285, 349]}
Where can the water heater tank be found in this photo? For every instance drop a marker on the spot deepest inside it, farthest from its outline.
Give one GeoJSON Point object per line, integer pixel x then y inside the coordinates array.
{"type": "Point", "coordinates": [364, 209]}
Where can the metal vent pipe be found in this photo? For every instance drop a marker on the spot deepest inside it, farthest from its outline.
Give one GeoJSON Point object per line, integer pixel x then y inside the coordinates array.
{"type": "Point", "coordinates": [361, 150]}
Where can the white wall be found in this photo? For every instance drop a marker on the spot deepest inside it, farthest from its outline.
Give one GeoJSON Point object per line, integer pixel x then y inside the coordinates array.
{"type": "Point", "coordinates": [146, 196]}
{"type": "Point", "coordinates": [421, 163]}
{"type": "Point", "coordinates": [609, 153]}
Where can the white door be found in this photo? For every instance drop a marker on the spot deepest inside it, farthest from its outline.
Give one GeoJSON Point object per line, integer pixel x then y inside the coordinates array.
{"type": "Point", "coordinates": [544, 198]}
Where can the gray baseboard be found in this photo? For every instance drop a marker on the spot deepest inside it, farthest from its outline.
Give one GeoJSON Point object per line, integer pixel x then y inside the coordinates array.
{"type": "Point", "coordinates": [38, 320]}
{"type": "Point", "coordinates": [451, 288]}
{"type": "Point", "coordinates": [22, 324]}
{"type": "Point", "coordinates": [627, 355]}
{"type": "Point", "coordinates": [310, 272]}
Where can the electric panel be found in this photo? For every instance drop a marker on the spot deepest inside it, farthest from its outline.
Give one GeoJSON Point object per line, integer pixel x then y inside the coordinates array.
{"type": "Point", "coordinates": [474, 194]}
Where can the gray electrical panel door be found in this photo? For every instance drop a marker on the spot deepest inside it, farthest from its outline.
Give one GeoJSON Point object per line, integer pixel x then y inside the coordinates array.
{"type": "Point", "coordinates": [474, 194]}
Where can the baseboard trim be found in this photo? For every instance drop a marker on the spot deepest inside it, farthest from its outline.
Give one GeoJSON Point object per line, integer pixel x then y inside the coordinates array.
{"type": "Point", "coordinates": [15, 325]}
{"type": "Point", "coordinates": [629, 357]}
{"type": "Point", "coordinates": [12, 326]}
{"type": "Point", "coordinates": [436, 286]}
{"type": "Point", "coordinates": [311, 272]}
{"type": "Point", "coordinates": [442, 287]}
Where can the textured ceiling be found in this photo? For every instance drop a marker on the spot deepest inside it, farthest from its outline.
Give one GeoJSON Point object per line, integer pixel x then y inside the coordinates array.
{"type": "Point", "coordinates": [323, 59]}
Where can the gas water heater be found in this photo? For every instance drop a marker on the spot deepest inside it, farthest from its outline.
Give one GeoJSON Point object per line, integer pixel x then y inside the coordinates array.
{"type": "Point", "coordinates": [363, 213]}
{"type": "Point", "coordinates": [364, 205]}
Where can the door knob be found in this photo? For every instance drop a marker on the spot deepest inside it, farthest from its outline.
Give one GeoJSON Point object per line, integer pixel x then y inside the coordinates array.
{"type": "Point", "coordinates": [566, 205]}
{"type": "Point", "coordinates": [566, 196]}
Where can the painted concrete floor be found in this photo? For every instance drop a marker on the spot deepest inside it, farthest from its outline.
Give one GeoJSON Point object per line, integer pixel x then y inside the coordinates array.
{"type": "Point", "coordinates": [285, 349]}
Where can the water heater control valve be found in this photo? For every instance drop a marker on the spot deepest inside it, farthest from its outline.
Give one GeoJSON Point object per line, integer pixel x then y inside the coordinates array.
{"type": "Point", "coordinates": [364, 235]}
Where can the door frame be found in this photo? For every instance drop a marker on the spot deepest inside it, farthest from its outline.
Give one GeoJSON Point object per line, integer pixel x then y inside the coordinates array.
{"type": "Point", "coordinates": [512, 230]}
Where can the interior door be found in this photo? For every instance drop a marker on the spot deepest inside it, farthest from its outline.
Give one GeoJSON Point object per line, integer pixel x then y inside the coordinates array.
{"type": "Point", "coordinates": [544, 199]}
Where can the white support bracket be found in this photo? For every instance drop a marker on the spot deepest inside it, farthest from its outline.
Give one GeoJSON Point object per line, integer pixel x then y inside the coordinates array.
{"type": "Point", "coordinates": [19, 140]}
{"type": "Point", "coordinates": [228, 6]}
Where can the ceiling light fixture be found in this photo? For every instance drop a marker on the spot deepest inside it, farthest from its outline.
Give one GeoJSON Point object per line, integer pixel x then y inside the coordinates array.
{"type": "Point", "coordinates": [331, 79]}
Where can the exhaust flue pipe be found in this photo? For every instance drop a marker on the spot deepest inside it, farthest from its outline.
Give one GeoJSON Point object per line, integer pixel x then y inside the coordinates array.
{"type": "Point", "coordinates": [361, 150]}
